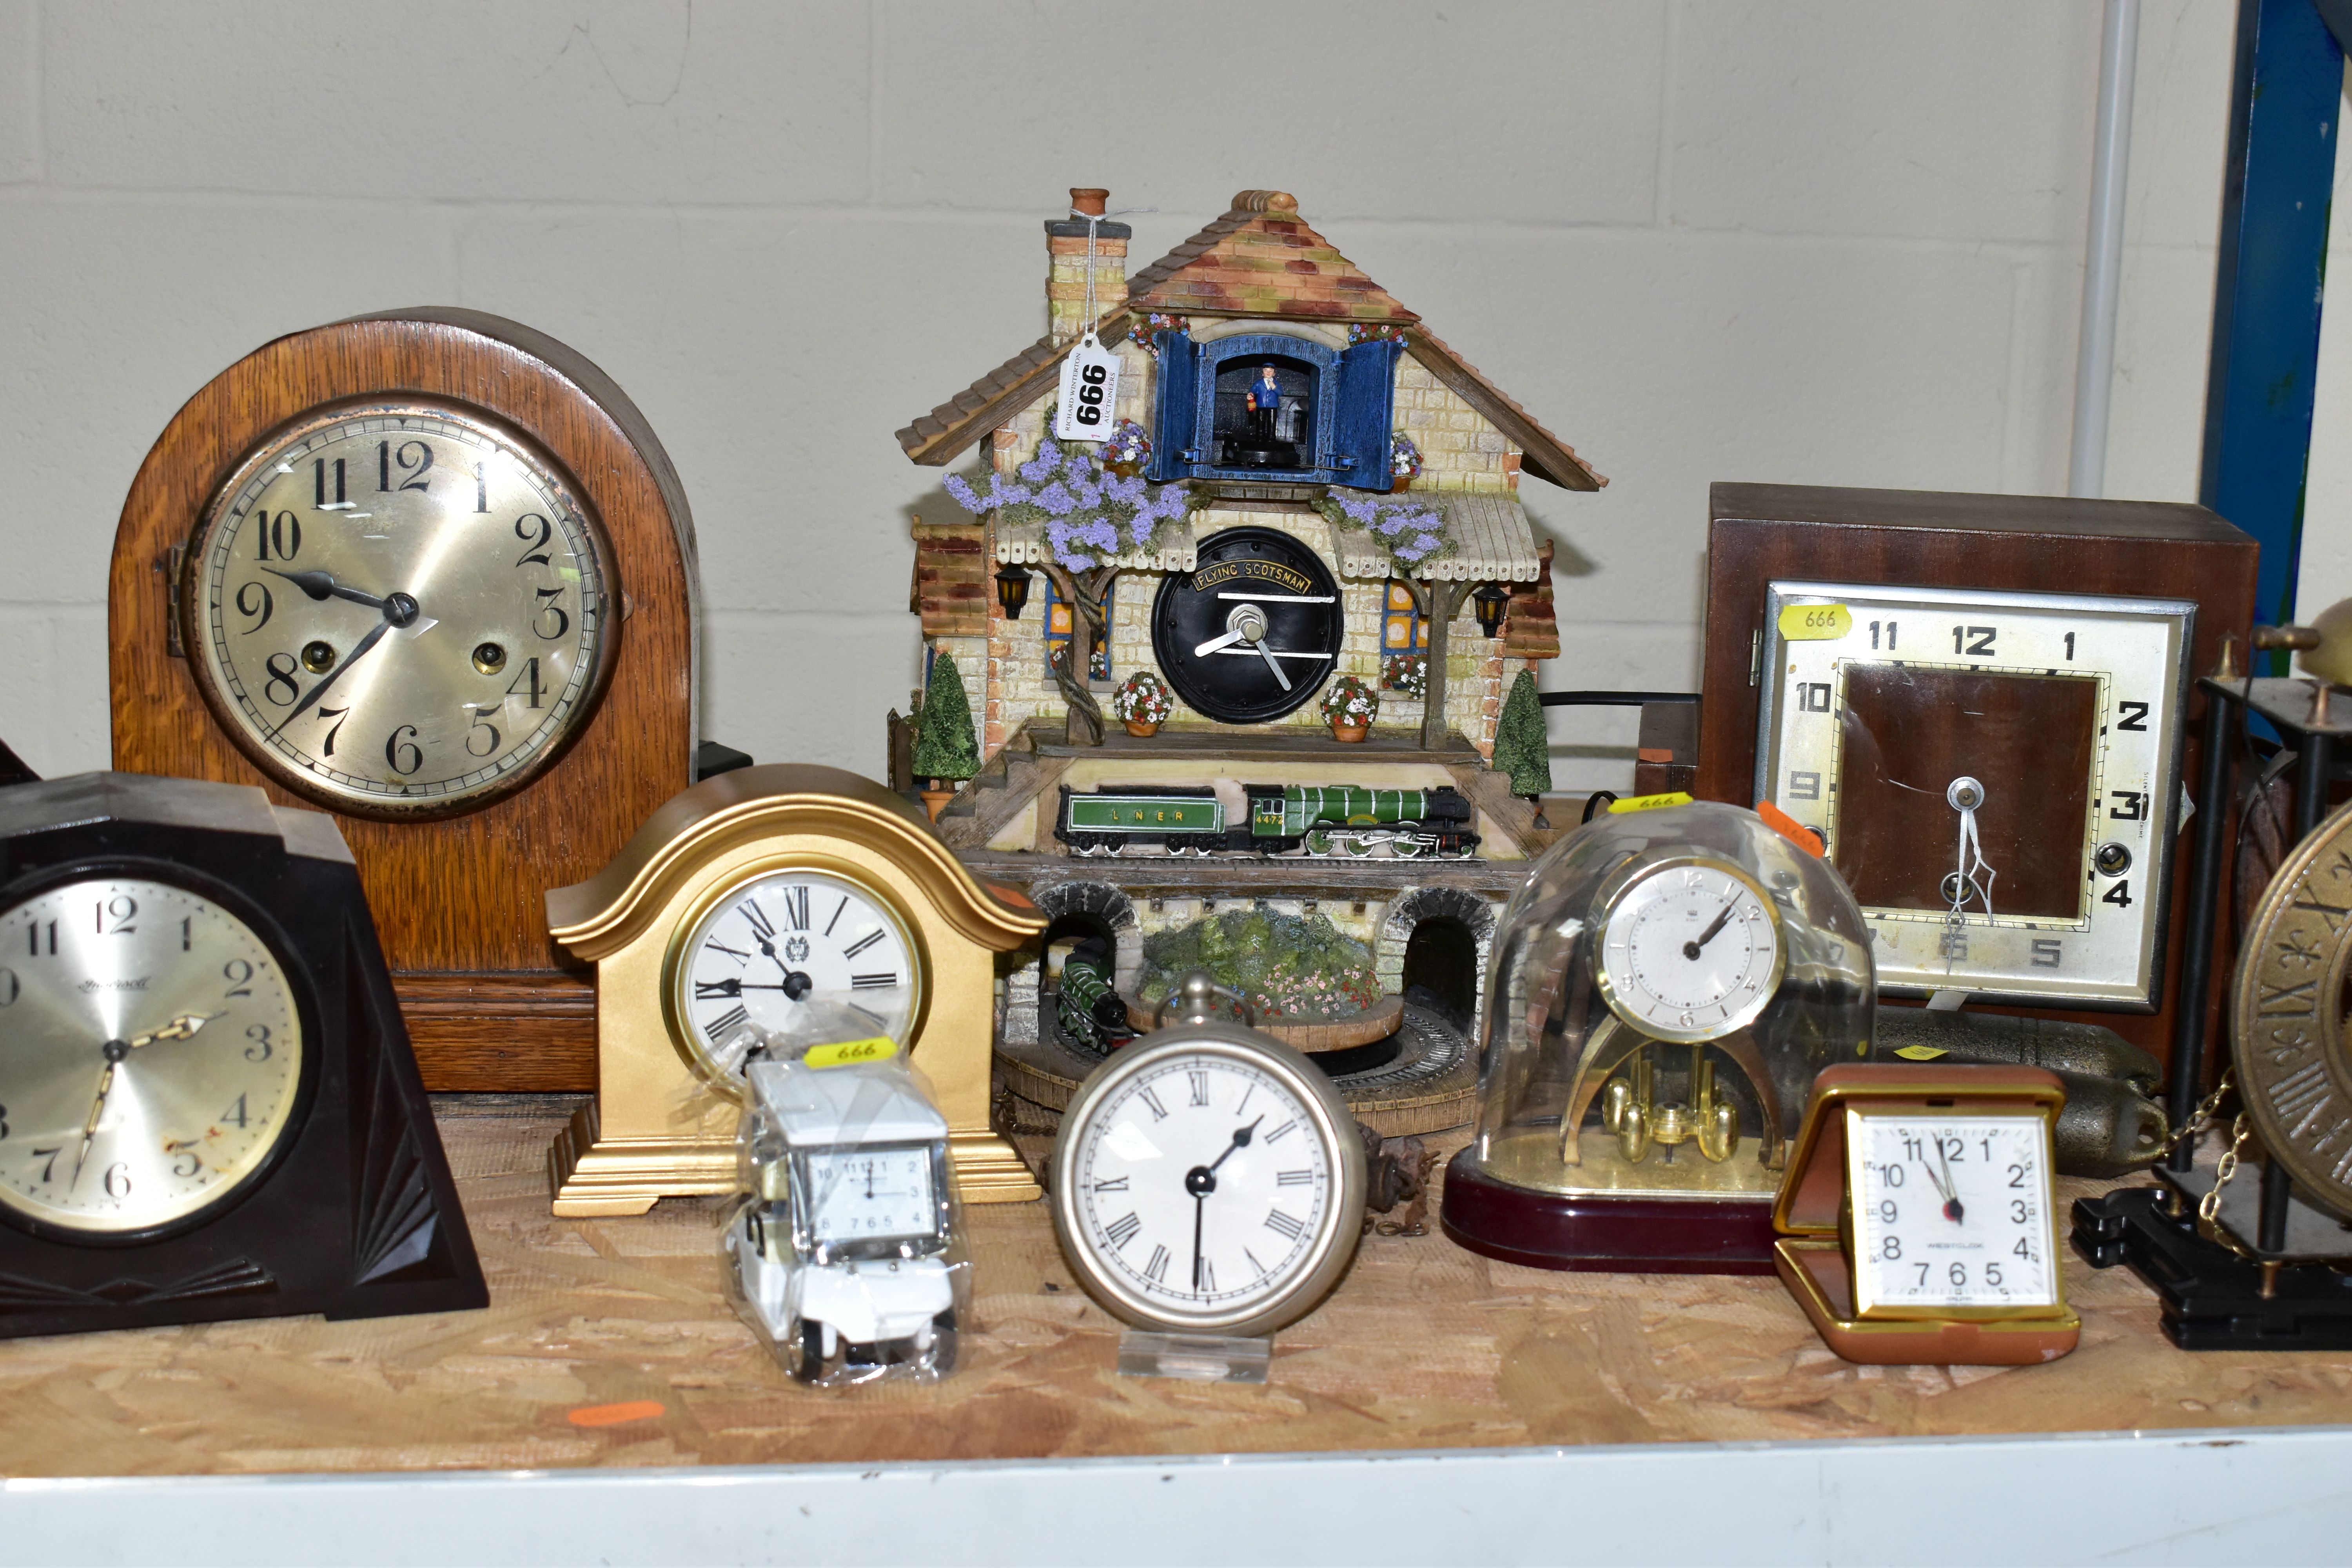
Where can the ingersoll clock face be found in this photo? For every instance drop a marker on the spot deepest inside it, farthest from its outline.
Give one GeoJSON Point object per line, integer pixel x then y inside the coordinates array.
{"type": "Point", "coordinates": [1203, 1188]}
{"type": "Point", "coordinates": [1253, 631]}
{"type": "Point", "coordinates": [151, 1054]}
{"type": "Point", "coordinates": [772, 949]}
{"type": "Point", "coordinates": [1994, 775]}
{"type": "Point", "coordinates": [399, 612]}
{"type": "Point", "coordinates": [1950, 1211]}
{"type": "Point", "coordinates": [858, 1194]}
{"type": "Point", "coordinates": [1690, 950]}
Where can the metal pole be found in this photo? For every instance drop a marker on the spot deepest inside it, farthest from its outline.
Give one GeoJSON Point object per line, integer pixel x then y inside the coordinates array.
{"type": "Point", "coordinates": [2103, 263]}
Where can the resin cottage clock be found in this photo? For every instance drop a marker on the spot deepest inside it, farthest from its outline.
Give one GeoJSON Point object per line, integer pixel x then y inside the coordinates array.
{"type": "Point", "coordinates": [430, 572]}
{"type": "Point", "coordinates": [1246, 549]}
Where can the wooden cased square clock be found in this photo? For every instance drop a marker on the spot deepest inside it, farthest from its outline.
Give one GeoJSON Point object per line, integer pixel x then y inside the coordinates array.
{"type": "Point", "coordinates": [1982, 705]}
{"type": "Point", "coordinates": [430, 572]}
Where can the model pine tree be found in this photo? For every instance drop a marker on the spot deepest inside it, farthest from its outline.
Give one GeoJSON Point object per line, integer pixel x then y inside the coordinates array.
{"type": "Point", "coordinates": [944, 745]}
{"type": "Point", "coordinates": [1522, 749]}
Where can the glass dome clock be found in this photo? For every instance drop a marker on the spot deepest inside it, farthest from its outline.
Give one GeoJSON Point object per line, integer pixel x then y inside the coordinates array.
{"type": "Point", "coordinates": [1665, 985]}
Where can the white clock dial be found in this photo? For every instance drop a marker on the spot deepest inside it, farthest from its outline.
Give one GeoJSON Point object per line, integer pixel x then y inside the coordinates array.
{"type": "Point", "coordinates": [1995, 774]}
{"type": "Point", "coordinates": [1690, 950]}
{"type": "Point", "coordinates": [855, 1194]}
{"type": "Point", "coordinates": [150, 1055]}
{"type": "Point", "coordinates": [769, 949]}
{"type": "Point", "coordinates": [1203, 1188]}
{"type": "Point", "coordinates": [1950, 1211]}
{"type": "Point", "coordinates": [399, 611]}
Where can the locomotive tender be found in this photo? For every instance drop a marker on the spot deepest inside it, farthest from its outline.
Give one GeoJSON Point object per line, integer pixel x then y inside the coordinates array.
{"type": "Point", "coordinates": [1266, 819]}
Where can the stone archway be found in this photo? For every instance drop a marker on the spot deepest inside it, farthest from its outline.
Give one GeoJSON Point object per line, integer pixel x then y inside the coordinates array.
{"type": "Point", "coordinates": [1427, 935]}
{"type": "Point", "coordinates": [1071, 908]}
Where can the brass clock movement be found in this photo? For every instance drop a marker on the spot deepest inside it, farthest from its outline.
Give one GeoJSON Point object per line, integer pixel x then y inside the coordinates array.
{"type": "Point", "coordinates": [430, 572]}
{"type": "Point", "coordinates": [745, 908]}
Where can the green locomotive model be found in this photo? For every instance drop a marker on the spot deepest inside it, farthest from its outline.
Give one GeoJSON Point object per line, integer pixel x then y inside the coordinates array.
{"type": "Point", "coordinates": [1266, 819]}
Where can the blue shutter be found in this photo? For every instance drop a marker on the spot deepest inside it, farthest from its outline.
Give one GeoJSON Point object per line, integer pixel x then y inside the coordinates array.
{"type": "Point", "coordinates": [1171, 426]}
{"type": "Point", "coordinates": [1360, 450]}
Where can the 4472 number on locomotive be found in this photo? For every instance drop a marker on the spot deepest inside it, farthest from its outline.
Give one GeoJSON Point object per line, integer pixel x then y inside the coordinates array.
{"type": "Point", "coordinates": [1225, 818]}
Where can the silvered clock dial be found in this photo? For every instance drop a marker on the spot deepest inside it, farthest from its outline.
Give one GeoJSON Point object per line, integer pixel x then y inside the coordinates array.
{"type": "Point", "coordinates": [154, 1054]}
{"type": "Point", "coordinates": [1996, 775]}
{"type": "Point", "coordinates": [399, 612]}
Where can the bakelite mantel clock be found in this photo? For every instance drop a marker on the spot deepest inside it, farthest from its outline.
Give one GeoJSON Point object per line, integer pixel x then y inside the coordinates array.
{"type": "Point", "coordinates": [430, 572]}
{"type": "Point", "coordinates": [744, 905]}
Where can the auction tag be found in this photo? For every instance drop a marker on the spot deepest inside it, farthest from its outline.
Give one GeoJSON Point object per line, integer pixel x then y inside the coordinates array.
{"type": "Point", "coordinates": [848, 1053]}
{"type": "Point", "coordinates": [1815, 623]}
{"type": "Point", "coordinates": [1920, 1053]}
{"type": "Point", "coordinates": [1089, 392]}
{"type": "Point", "coordinates": [1649, 802]}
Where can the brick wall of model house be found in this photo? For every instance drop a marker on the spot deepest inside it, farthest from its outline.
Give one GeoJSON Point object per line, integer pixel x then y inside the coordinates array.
{"type": "Point", "coordinates": [1460, 451]}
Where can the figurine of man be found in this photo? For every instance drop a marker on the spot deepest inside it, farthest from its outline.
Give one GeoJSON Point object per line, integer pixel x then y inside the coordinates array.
{"type": "Point", "coordinates": [1264, 403]}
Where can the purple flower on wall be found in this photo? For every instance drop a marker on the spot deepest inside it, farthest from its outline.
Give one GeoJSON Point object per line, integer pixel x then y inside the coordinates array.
{"type": "Point", "coordinates": [1088, 514]}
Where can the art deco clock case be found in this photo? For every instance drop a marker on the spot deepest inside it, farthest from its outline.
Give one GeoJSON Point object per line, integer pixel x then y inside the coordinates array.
{"type": "Point", "coordinates": [208, 1108]}
{"type": "Point", "coordinates": [1983, 705]}
{"type": "Point", "coordinates": [430, 572]}
{"type": "Point", "coordinates": [1664, 987]}
{"type": "Point", "coordinates": [744, 908]}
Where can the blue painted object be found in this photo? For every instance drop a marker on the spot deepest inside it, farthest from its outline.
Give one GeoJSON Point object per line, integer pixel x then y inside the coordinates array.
{"type": "Point", "coordinates": [1349, 407]}
{"type": "Point", "coordinates": [2289, 79]}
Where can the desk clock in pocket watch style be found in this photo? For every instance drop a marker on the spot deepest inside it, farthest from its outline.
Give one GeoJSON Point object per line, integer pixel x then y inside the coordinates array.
{"type": "Point", "coordinates": [207, 1105]}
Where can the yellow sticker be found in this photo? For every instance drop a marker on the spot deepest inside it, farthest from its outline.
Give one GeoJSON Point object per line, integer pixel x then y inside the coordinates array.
{"type": "Point", "coordinates": [846, 1052]}
{"type": "Point", "coordinates": [1920, 1053]}
{"type": "Point", "coordinates": [1649, 802]}
{"type": "Point", "coordinates": [1815, 623]}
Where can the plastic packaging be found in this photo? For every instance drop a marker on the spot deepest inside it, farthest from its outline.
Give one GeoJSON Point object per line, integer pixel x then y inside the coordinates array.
{"type": "Point", "coordinates": [846, 1252]}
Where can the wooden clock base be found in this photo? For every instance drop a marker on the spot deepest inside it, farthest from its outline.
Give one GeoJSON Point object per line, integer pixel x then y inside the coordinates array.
{"type": "Point", "coordinates": [1597, 1233]}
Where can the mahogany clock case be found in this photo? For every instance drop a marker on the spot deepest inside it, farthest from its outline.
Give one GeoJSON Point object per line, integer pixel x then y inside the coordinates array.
{"type": "Point", "coordinates": [355, 1215]}
{"type": "Point", "coordinates": [491, 1003]}
{"type": "Point", "coordinates": [1759, 535]}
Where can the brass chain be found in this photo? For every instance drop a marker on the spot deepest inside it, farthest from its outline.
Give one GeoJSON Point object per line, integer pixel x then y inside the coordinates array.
{"type": "Point", "coordinates": [2210, 1206]}
{"type": "Point", "coordinates": [2199, 1119]}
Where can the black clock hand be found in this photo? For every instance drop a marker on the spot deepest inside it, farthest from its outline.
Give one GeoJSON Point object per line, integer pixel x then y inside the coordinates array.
{"type": "Point", "coordinates": [1241, 1141]}
{"type": "Point", "coordinates": [1200, 1207]}
{"type": "Point", "coordinates": [399, 611]}
{"type": "Point", "coordinates": [1690, 949]}
{"type": "Point", "coordinates": [322, 586]}
{"type": "Point", "coordinates": [1952, 1210]}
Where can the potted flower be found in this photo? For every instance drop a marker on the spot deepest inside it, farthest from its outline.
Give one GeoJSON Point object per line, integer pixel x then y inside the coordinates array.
{"type": "Point", "coordinates": [1404, 461]}
{"type": "Point", "coordinates": [1406, 672]}
{"type": "Point", "coordinates": [1143, 703]}
{"type": "Point", "coordinates": [1349, 704]}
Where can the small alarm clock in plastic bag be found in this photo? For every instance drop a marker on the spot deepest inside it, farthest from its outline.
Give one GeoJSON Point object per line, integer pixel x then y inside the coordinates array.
{"type": "Point", "coordinates": [846, 1252]}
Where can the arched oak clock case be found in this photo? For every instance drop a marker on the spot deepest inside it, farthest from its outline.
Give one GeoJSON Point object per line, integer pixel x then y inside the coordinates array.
{"type": "Point", "coordinates": [456, 885]}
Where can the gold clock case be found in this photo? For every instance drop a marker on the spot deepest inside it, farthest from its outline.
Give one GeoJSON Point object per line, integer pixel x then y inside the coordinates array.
{"type": "Point", "coordinates": [656, 1130]}
{"type": "Point", "coordinates": [1813, 1255]}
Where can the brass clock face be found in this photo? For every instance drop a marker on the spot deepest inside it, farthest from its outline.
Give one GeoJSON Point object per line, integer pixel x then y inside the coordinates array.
{"type": "Point", "coordinates": [785, 950]}
{"type": "Point", "coordinates": [154, 1054]}
{"type": "Point", "coordinates": [2292, 1035]}
{"type": "Point", "coordinates": [1995, 774]}
{"type": "Point", "coordinates": [399, 612]}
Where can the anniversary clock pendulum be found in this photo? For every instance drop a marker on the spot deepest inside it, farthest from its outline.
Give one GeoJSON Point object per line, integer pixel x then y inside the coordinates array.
{"type": "Point", "coordinates": [208, 1108]}
{"type": "Point", "coordinates": [430, 572]}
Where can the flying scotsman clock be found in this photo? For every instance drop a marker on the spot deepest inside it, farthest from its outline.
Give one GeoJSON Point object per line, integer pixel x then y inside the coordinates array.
{"type": "Point", "coordinates": [1253, 631]}
{"type": "Point", "coordinates": [430, 572]}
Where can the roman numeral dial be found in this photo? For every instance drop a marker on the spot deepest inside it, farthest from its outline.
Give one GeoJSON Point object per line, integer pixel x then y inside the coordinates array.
{"type": "Point", "coordinates": [1201, 1185]}
{"type": "Point", "coordinates": [792, 959]}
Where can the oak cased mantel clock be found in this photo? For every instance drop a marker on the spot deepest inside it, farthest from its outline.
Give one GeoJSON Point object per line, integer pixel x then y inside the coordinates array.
{"type": "Point", "coordinates": [430, 572]}
{"type": "Point", "coordinates": [208, 1108]}
{"type": "Point", "coordinates": [1983, 704]}
{"type": "Point", "coordinates": [745, 907]}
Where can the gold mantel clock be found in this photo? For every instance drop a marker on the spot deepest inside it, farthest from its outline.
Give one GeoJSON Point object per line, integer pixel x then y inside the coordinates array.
{"type": "Point", "coordinates": [740, 902]}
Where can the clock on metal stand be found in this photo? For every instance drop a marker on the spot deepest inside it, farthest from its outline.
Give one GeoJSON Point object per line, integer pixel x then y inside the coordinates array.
{"type": "Point", "coordinates": [208, 1108]}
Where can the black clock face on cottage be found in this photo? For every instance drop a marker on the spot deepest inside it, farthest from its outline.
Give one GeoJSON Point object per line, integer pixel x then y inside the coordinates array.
{"type": "Point", "coordinates": [1253, 631]}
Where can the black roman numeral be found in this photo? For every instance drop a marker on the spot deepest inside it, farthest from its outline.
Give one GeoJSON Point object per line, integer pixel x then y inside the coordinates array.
{"type": "Point", "coordinates": [1204, 1279]}
{"type": "Point", "coordinates": [1294, 1178]}
{"type": "Point", "coordinates": [1253, 1262]}
{"type": "Point", "coordinates": [1157, 1270]}
{"type": "Point", "coordinates": [1159, 1111]}
{"type": "Point", "coordinates": [1122, 1230]}
{"type": "Point", "coordinates": [1199, 1079]}
{"type": "Point", "coordinates": [761, 926]}
{"type": "Point", "coordinates": [717, 946]}
{"type": "Point", "coordinates": [1285, 1223]}
{"type": "Point", "coordinates": [838, 909]}
{"type": "Point", "coordinates": [861, 944]}
{"type": "Point", "coordinates": [726, 1023]}
{"type": "Point", "coordinates": [1111, 1184]}
{"type": "Point", "coordinates": [710, 990]}
{"type": "Point", "coordinates": [1279, 1133]}
{"type": "Point", "coordinates": [874, 982]}
{"type": "Point", "coordinates": [796, 908]}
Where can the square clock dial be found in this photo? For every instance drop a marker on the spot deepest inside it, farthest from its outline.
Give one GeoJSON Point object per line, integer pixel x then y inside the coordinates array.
{"type": "Point", "coordinates": [1995, 774]}
{"type": "Point", "coordinates": [1951, 1215]}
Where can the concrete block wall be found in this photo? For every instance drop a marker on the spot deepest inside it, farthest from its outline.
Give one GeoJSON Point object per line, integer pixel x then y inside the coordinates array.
{"type": "Point", "coordinates": [1700, 239]}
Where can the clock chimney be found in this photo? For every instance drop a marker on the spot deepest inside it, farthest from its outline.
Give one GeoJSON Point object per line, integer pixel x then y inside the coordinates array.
{"type": "Point", "coordinates": [1066, 278]}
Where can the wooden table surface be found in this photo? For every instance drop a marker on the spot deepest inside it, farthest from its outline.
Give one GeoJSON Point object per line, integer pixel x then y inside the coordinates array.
{"type": "Point", "coordinates": [1423, 1346]}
